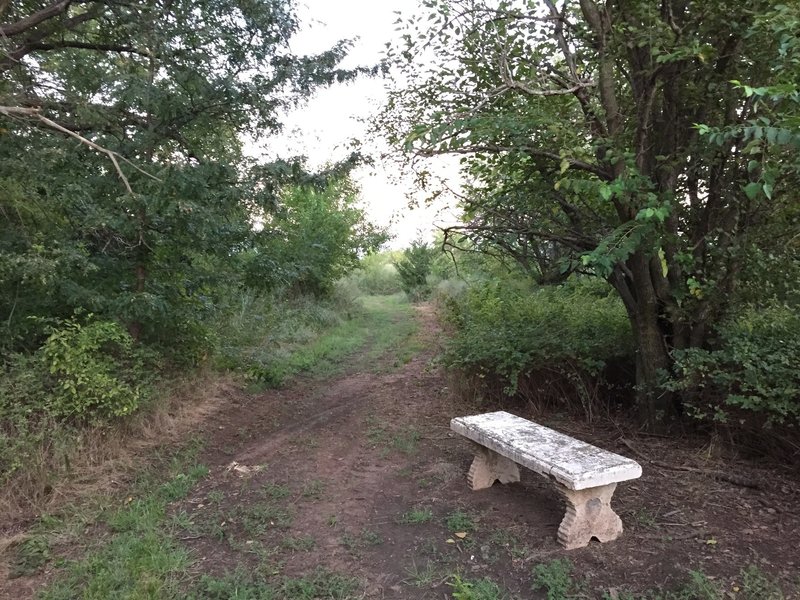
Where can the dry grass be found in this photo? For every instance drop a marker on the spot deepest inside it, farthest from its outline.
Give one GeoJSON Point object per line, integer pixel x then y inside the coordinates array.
{"type": "Point", "coordinates": [68, 465]}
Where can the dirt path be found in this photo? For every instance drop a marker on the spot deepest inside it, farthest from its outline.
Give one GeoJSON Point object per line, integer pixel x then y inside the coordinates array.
{"type": "Point", "coordinates": [336, 465]}
{"type": "Point", "coordinates": [361, 475]}
{"type": "Point", "coordinates": [358, 476]}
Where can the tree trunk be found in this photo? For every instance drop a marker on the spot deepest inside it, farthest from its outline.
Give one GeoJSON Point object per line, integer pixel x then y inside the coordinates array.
{"type": "Point", "coordinates": [135, 326]}
{"type": "Point", "coordinates": [140, 270]}
{"type": "Point", "coordinates": [652, 361]}
{"type": "Point", "coordinates": [633, 281]}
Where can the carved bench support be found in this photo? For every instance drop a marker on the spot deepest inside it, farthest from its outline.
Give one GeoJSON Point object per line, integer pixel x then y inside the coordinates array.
{"type": "Point", "coordinates": [589, 515]}
{"type": "Point", "coordinates": [489, 466]}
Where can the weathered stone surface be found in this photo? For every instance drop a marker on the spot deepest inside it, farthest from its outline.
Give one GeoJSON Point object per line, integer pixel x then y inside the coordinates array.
{"type": "Point", "coordinates": [585, 475]}
{"type": "Point", "coordinates": [574, 464]}
{"type": "Point", "coordinates": [488, 467]}
{"type": "Point", "coordinates": [588, 515]}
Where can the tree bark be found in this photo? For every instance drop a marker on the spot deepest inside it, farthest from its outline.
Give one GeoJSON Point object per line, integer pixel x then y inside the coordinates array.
{"type": "Point", "coordinates": [646, 314]}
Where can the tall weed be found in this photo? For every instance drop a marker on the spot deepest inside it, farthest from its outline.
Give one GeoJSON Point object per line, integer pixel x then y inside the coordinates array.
{"type": "Point", "coordinates": [261, 334]}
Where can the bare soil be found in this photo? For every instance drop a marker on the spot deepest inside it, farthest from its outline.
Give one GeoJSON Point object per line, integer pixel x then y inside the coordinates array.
{"type": "Point", "coordinates": [320, 475]}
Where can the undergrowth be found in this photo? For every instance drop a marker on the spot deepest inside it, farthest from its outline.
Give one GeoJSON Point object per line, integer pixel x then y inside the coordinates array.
{"type": "Point", "coordinates": [535, 340]}
{"type": "Point", "coordinates": [272, 339]}
{"type": "Point", "coordinates": [136, 555]}
{"type": "Point", "coordinates": [77, 403]}
{"type": "Point", "coordinates": [556, 580]}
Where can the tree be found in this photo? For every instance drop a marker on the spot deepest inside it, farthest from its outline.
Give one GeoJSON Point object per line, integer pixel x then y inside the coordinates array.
{"type": "Point", "coordinates": [644, 142]}
{"type": "Point", "coordinates": [414, 267]}
{"type": "Point", "coordinates": [314, 236]}
{"type": "Point", "coordinates": [121, 167]}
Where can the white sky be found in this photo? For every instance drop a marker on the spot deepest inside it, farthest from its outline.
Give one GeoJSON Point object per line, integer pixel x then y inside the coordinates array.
{"type": "Point", "coordinates": [322, 128]}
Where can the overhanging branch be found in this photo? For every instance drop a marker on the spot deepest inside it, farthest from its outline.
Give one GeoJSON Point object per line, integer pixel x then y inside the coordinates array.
{"type": "Point", "coordinates": [33, 113]}
{"type": "Point", "coordinates": [536, 152]}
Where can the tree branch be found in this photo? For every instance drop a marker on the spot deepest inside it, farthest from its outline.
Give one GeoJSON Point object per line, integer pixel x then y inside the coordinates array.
{"type": "Point", "coordinates": [25, 47]}
{"type": "Point", "coordinates": [56, 8]}
{"type": "Point", "coordinates": [33, 113]}
{"type": "Point", "coordinates": [86, 46]}
{"type": "Point", "coordinates": [496, 149]}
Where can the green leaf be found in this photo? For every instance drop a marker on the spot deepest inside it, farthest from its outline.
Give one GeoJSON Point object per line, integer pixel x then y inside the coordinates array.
{"type": "Point", "coordinates": [752, 189]}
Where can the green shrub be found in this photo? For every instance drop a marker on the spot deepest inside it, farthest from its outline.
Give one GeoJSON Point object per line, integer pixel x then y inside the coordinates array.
{"type": "Point", "coordinates": [93, 367]}
{"type": "Point", "coordinates": [510, 330]}
{"type": "Point", "coordinates": [751, 376]}
{"type": "Point", "coordinates": [83, 372]}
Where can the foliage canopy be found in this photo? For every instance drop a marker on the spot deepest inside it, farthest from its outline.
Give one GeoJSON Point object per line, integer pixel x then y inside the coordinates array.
{"type": "Point", "coordinates": [653, 144]}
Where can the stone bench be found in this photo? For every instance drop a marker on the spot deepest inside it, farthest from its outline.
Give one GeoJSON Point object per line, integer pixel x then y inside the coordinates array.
{"type": "Point", "coordinates": [585, 475]}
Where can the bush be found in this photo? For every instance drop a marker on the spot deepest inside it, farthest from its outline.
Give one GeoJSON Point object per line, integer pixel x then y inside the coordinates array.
{"type": "Point", "coordinates": [513, 332]}
{"type": "Point", "coordinates": [83, 372]}
{"type": "Point", "coordinates": [751, 377]}
{"type": "Point", "coordinates": [92, 368]}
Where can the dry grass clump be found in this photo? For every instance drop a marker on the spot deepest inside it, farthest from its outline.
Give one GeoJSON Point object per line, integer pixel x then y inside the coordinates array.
{"type": "Point", "coordinates": [69, 462]}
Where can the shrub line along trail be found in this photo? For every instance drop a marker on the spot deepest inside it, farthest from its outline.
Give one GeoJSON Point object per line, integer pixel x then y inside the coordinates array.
{"type": "Point", "coordinates": [353, 486]}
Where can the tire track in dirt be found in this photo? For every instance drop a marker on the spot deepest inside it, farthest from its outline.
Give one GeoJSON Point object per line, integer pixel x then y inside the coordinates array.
{"type": "Point", "coordinates": [338, 432]}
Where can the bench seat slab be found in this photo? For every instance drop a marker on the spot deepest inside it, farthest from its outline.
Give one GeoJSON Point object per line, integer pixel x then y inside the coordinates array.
{"type": "Point", "coordinates": [572, 463]}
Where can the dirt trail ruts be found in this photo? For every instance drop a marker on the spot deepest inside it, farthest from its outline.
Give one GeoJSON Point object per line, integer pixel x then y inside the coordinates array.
{"type": "Point", "coordinates": [349, 451]}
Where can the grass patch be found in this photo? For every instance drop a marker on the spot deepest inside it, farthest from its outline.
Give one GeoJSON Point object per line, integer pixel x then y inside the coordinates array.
{"type": "Point", "coordinates": [511, 543]}
{"type": "Point", "coordinates": [754, 585]}
{"type": "Point", "coordinates": [302, 543]}
{"type": "Point", "coordinates": [215, 496]}
{"type": "Point", "coordinates": [273, 344]}
{"type": "Point", "coordinates": [371, 538]}
{"type": "Point", "coordinates": [459, 521]}
{"type": "Point", "coordinates": [276, 491]}
{"type": "Point", "coordinates": [29, 556]}
{"type": "Point", "coordinates": [416, 516]}
{"type": "Point", "coordinates": [356, 542]}
{"type": "Point", "coordinates": [313, 490]}
{"type": "Point", "coordinates": [555, 579]}
{"type": "Point", "coordinates": [321, 584]}
{"type": "Point", "coordinates": [406, 441]}
{"type": "Point", "coordinates": [480, 589]}
{"type": "Point", "coordinates": [141, 558]}
{"type": "Point", "coordinates": [422, 576]}
{"type": "Point", "coordinates": [256, 519]}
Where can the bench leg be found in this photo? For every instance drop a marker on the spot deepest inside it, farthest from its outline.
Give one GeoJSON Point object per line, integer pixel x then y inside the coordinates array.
{"type": "Point", "coordinates": [589, 515]}
{"type": "Point", "coordinates": [489, 466]}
